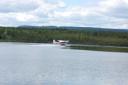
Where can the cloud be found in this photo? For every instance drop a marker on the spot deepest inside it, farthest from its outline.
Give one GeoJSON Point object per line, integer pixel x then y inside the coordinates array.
{"type": "Point", "coordinates": [116, 11]}
{"type": "Point", "coordinates": [18, 12]}
{"type": "Point", "coordinates": [7, 6]}
{"type": "Point", "coordinates": [45, 9]}
{"type": "Point", "coordinates": [17, 5]}
{"type": "Point", "coordinates": [23, 17]}
{"type": "Point", "coordinates": [104, 13]}
{"type": "Point", "coordinates": [114, 8]}
{"type": "Point", "coordinates": [71, 12]}
{"type": "Point", "coordinates": [16, 19]}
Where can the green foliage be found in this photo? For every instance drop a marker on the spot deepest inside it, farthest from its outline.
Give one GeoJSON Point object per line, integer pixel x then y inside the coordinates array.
{"type": "Point", "coordinates": [45, 35]}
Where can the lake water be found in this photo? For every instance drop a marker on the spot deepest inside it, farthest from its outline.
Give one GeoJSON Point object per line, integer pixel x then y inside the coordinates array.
{"type": "Point", "coordinates": [47, 64]}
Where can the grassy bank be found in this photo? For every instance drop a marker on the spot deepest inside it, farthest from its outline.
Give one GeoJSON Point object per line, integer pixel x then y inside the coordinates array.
{"type": "Point", "coordinates": [100, 48]}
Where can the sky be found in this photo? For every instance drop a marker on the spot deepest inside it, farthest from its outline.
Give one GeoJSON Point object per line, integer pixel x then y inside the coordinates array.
{"type": "Point", "coordinates": [84, 13]}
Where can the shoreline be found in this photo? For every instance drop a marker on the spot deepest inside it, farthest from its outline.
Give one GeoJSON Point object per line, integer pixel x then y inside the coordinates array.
{"type": "Point", "coordinates": [100, 48]}
{"type": "Point", "coordinates": [105, 48]}
{"type": "Point", "coordinates": [70, 44]}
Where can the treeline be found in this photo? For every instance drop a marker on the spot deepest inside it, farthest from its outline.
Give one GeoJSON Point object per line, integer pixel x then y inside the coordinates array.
{"type": "Point", "coordinates": [44, 35]}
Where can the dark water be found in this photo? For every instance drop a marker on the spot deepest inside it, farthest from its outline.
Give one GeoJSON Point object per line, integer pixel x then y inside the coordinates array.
{"type": "Point", "coordinates": [46, 64]}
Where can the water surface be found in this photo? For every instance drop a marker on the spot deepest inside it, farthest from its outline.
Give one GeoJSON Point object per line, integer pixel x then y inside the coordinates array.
{"type": "Point", "coordinates": [47, 64]}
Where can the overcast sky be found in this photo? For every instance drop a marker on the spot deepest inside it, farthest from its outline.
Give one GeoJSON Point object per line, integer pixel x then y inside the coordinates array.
{"type": "Point", "coordinates": [95, 13]}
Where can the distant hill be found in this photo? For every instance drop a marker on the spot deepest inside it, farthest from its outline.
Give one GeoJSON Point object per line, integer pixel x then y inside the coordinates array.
{"type": "Point", "coordinates": [91, 29]}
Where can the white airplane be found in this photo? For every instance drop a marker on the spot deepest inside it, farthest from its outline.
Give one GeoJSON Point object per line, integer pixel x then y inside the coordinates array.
{"type": "Point", "coordinates": [61, 42]}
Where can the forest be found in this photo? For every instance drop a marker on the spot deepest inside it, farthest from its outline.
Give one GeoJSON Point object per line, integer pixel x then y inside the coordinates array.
{"type": "Point", "coordinates": [46, 35]}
